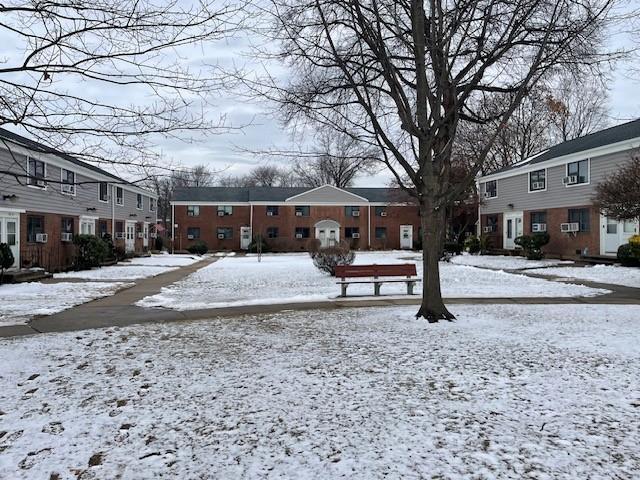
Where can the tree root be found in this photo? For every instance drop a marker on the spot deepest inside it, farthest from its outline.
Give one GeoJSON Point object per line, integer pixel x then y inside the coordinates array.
{"type": "Point", "coordinates": [434, 315]}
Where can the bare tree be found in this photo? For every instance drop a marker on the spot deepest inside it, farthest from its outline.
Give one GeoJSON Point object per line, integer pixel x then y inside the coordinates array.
{"type": "Point", "coordinates": [578, 107]}
{"type": "Point", "coordinates": [405, 74]}
{"type": "Point", "coordinates": [72, 61]}
{"type": "Point", "coordinates": [336, 160]}
{"type": "Point", "coordinates": [259, 176]}
{"type": "Point", "coordinates": [619, 195]}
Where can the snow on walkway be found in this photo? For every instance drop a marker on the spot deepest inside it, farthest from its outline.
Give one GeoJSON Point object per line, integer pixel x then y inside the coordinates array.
{"type": "Point", "coordinates": [612, 274]}
{"type": "Point", "coordinates": [116, 272]}
{"type": "Point", "coordinates": [166, 260]}
{"type": "Point", "coordinates": [543, 391]}
{"type": "Point", "coordinates": [22, 301]}
{"type": "Point", "coordinates": [293, 278]}
{"type": "Point", "coordinates": [504, 262]}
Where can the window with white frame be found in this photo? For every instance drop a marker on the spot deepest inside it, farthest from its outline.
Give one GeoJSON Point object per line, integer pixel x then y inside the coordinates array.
{"type": "Point", "coordinates": [139, 201]}
{"type": "Point", "coordinates": [87, 226]}
{"type": "Point", "coordinates": [37, 170]}
{"type": "Point", "coordinates": [103, 192]}
{"type": "Point", "coordinates": [490, 189]}
{"type": "Point", "coordinates": [193, 210]}
{"type": "Point", "coordinates": [577, 173]}
{"type": "Point", "coordinates": [68, 185]}
{"type": "Point", "coordinates": [119, 196]}
{"type": "Point", "coordinates": [225, 210]}
{"type": "Point", "coordinates": [537, 180]}
{"type": "Point", "coordinates": [152, 204]}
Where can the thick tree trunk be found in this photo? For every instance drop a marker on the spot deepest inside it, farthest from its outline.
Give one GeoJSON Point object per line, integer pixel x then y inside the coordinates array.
{"type": "Point", "coordinates": [433, 227]}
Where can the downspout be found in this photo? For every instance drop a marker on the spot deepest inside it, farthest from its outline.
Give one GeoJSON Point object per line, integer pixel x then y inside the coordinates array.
{"type": "Point", "coordinates": [113, 213]}
{"type": "Point", "coordinates": [369, 226]}
{"type": "Point", "coordinates": [173, 228]}
{"type": "Point", "coordinates": [479, 222]}
{"type": "Point", "coordinates": [251, 219]}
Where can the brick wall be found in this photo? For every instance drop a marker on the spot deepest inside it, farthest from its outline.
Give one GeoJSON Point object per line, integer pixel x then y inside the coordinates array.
{"type": "Point", "coordinates": [286, 222]}
{"type": "Point", "coordinates": [54, 255]}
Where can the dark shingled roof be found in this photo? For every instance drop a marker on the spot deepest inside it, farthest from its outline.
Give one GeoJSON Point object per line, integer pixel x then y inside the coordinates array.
{"type": "Point", "coordinates": [608, 136]}
{"type": "Point", "coordinates": [39, 147]}
{"type": "Point", "coordinates": [273, 194]}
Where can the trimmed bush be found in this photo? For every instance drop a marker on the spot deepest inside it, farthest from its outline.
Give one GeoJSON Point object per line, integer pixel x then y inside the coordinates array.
{"type": "Point", "coordinates": [198, 248]}
{"type": "Point", "coordinates": [472, 245]}
{"type": "Point", "coordinates": [532, 245]}
{"type": "Point", "coordinates": [6, 259]}
{"type": "Point", "coordinates": [158, 243]}
{"type": "Point", "coordinates": [91, 251]}
{"type": "Point", "coordinates": [327, 258]}
{"type": "Point", "coordinates": [258, 240]}
{"type": "Point", "coordinates": [453, 248]}
{"type": "Point", "coordinates": [629, 254]}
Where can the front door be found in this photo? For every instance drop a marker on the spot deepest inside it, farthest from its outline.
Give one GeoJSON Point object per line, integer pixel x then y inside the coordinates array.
{"type": "Point", "coordinates": [615, 233]}
{"type": "Point", "coordinates": [406, 237]}
{"type": "Point", "coordinates": [145, 235]}
{"type": "Point", "coordinates": [245, 237]}
{"type": "Point", "coordinates": [328, 236]}
{"type": "Point", "coordinates": [513, 228]}
{"type": "Point", "coordinates": [130, 240]}
{"type": "Point", "coordinates": [10, 234]}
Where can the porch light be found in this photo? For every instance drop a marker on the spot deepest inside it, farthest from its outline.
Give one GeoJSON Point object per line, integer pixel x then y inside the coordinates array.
{"type": "Point", "coordinates": [91, 209]}
{"type": "Point", "coordinates": [12, 197]}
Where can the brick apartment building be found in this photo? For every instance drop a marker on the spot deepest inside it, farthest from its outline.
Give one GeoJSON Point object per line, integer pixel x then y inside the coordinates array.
{"type": "Point", "coordinates": [47, 196]}
{"type": "Point", "coordinates": [227, 218]}
{"type": "Point", "coordinates": [554, 192]}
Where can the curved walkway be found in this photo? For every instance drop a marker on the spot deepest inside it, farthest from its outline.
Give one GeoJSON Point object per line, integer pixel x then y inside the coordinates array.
{"type": "Point", "coordinates": [120, 309]}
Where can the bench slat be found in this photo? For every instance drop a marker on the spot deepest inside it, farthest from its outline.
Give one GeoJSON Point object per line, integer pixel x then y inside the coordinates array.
{"type": "Point", "coordinates": [390, 270]}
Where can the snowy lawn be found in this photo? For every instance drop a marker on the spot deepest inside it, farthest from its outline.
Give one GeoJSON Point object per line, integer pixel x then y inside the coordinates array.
{"type": "Point", "coordinates": [22, 301]}
{"type": "Point", "coordinates": [544, 392]}
{"type": "Point", "coordinates": [504, 262]}
{"type": "Point", "coordinates": [117, 272]}
{"type": "Point", "coordinates": [166, 260]}
{"type": "Point", "coordinates": [293, 278]}
{"type": "Point", "coordinates": [614, 275]}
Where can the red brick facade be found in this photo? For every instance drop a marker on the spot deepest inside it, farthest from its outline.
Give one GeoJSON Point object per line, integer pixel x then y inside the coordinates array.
{"type": "Point", "coordinates": [569, 245]}
{"type": "Point", "coordinates": [286, 221]}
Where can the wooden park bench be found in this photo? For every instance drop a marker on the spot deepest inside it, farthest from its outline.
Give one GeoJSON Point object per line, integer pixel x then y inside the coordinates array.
{"type": "Point", "coordinates": [377, 274]}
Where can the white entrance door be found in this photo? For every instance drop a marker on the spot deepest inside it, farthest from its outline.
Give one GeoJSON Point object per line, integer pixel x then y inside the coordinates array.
{"type": "Point", "coordinates": [245, 237]}
{"type": "Point", "coordinates": [145, 235]}
{"type": "Point", "coordinates": [615, 233]}
{"type": "Point", "coordinates": [10, 234]}
{"type": "Point", "coordinates": [406, 237]}
{"type": "Point", "coordinates": [130, 239]}
{"type": "Point", "coordinates": [328, 236]}
{"type": "Point", "coordinates": [513, 228]}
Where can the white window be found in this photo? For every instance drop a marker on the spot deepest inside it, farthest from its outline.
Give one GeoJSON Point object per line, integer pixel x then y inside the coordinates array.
{"type": "Point", "coordinates": [193, 210]}
{"type": "Point", "coordinates": [87, 226]}
{"type": "Point", "coordinates": [119, 196]}
{"type": "Point", "coordinates": [152, 204]}
{"type": "Point", "coordinates": [103, 192]}
{"type": "Point", "coordinates": [139, 201]}
{"type": "Point", "coordinates": [577, 173]}
{"type": "Point", "coordinates": [37, 171]}
{"type": "Point", "coordinates": [490, 189]}
{"type": "Point", "coordinates": [538, 180]}
{"type": "Point", "coordinates": [68, 179]}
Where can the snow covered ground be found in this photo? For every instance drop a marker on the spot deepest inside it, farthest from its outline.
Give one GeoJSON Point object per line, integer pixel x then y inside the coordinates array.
{"type": "Point", "coordinates": [20, 302]}
{"type": "Point", "coordinates": [543, 391]}
{"type": "Point", "coordinates": [504, 262]}
{"type": "Point", "coordinates": [166, 260]}
{"type": "Point", "coordinates": [614, 275]}
{"type": "Point", "coordinates": [293, 278]}
{"type": "Point", "coordinates": [117, 272]}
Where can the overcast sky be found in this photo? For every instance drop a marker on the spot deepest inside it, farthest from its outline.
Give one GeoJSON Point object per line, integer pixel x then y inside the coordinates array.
{"type": "Point", "coordinates": [223, 152]}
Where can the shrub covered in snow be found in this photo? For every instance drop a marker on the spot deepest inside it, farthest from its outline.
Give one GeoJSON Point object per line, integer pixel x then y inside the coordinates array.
{"type": "Point", "coordinates": [198, 248]}
{"type": "Point", "coordinates": [327, 258]}
{"type": "Point", "coordinates": [532, 245]}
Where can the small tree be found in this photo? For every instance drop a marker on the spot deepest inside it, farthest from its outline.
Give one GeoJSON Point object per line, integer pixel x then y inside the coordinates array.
{"type": "Point", "coordinates": [91, 251]}
{"type": "Point", "coordinates": [532, 245]}
{"type": "Point", "coordinates": [328, 258]}
{"type": "Point", "coordinates": [619, 195]}
{"type": "Point", "coordinates": [6, 259]}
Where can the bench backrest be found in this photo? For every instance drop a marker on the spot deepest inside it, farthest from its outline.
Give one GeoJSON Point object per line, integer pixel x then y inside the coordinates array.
{"type": "Point", "coordinates": [393, 270]}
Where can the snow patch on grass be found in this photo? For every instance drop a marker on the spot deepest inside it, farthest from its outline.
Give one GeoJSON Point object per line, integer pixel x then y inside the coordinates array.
{"type": "Point", "coordinates": [166, 260]}
{"type": "Point", "coordinates": [504, 392]}
{"type": "Point", "coordinates": [504, 262]}
{"type": "Point", "coordinates": [117, 272]}
{"type": "Point", "coordinates": [612, 274]}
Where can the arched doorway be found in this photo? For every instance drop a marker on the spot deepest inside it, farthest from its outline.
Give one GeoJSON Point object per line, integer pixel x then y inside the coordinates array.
{"type": "Point", "coordinates": [328, 232]}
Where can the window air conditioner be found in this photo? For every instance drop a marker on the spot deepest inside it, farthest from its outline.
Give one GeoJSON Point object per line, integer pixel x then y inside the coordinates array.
{"type": "Point", "coordinates": [221, 213]}
{"type": "Point", "coordinates": [383, 214]}
{"type": "Point", "coordinates": [221, 236]}
{"type": "Point", "coordinates": [355, 235]}
{"type": "Point", "coordinates": [66, 236]}
{"type": "Point", "coordinates": [298, 235]}
{"type": "Point", "coordinates": [66, 188]}
{"type": "Point", "coordinates": [488, 229]}
{"type": "Point", "coordinates": [153, 235]}
{"type": "Point", "coordinates": [42, 237]}
{"type": "Point", "coordinates": [298, 214]}
{"type": "Point", "coordinates": [140, 235]}
{"type": "Point", "coordinates": [487, 195]}
{"type": "Point", "coordinates": [538, 185]}
{"type": "Point", "coordinates": [570, 180]}
{"type": "Point", "coordinates": [539, 227]}
{"type": "Point", "coordinates": [569, 227]}
{"type": "Point", "coordinates": [355, 213]}
{"type": "Point", "coordinates": [120, 235]}
{"type": "Point", "coordinates": [269, 214]}
{"type": "Point", "coordinates": [189, 237]}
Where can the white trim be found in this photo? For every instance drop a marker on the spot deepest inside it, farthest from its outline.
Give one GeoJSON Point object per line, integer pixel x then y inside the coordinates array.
{"type": "Point", "coordinates": [29, 179]}
{"type": "Point", "coordinates": [546, 180]}
{"type": "Point", "coordinates": [306, 192]}
{"type": "Point", "coordinates": [115, 195]}
{"type": "Point", "coordinates": [296, 204]}
{"type": "Point", "coordinates": [141, 207]}
{"type": "Point", "coordinates": [566, 171]}
{"type": "Point", "coordinates": [99, 199]}
{"type": "Point", "coordinates": [57, 161]}
{"type": "Point", "coordinates": [483, 190]}
{"type": "Point", "coordinates": [625, 145]}
{"type": "Point", "coordinates": [74, 184]}
{"type": "Point", "coordinates": [12, 210]}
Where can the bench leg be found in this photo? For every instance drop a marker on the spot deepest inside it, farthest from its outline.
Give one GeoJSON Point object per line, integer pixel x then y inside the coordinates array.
{"type": "Point", "coordinates": [410, 288]}
{"type": "Point", "coordinates": [343, 288]}
{"type": "Point", "coordinates": [376, 289]}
